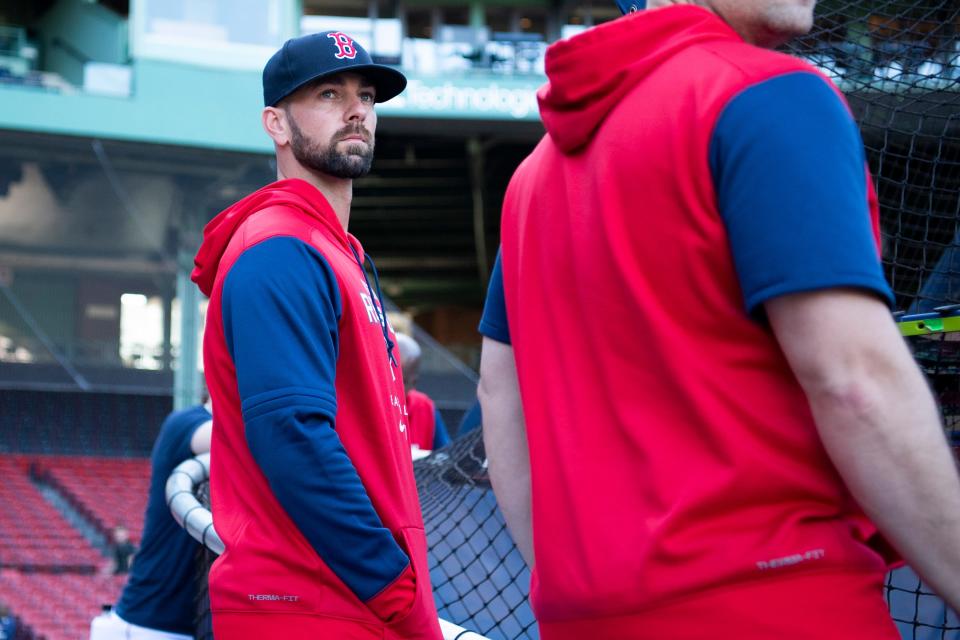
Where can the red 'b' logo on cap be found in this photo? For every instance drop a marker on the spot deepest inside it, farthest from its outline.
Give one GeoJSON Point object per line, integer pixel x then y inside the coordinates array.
{"type": "Point", "coordinates": [345, 47]}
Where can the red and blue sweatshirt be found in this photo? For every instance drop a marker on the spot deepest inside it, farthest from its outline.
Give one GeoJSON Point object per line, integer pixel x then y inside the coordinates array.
{"type": "Point", "coordinates": [312, 486]}
{"type": "Point", "coordinates": [679, 487]}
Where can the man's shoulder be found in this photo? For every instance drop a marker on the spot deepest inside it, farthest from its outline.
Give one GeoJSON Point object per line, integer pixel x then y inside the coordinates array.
{"type": "Point", "coordinates": [747, 64]}
{"type": "Point", "coordinates": [173, 442]}
{"type": "Point", "coordinates": [713, 74]}
{"type": "Point", "coordinates": [281, 221]}
{"type": "Point", "coordinates": [284, 223]}
{"type": "Point", "coordinates": [544, 153]}
{"type": "Point", "coordinates": [183, 419]}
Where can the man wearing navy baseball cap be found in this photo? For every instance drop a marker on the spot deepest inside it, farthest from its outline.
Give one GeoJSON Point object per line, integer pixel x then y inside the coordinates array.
{"type": "Point", "coordinates": [290, 80]}
{"type": "Point", "coordinates": [311, 480]}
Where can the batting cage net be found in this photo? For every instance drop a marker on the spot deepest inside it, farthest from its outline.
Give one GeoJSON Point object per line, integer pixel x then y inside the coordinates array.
{"type": "Point", "coordinates": [898, 63]}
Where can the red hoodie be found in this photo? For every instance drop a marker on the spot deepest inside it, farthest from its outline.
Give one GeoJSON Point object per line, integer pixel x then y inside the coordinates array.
{"type": "Point", "coordinates": [271, 582]}
{"type": "Point", "coordinates": [679, 487]}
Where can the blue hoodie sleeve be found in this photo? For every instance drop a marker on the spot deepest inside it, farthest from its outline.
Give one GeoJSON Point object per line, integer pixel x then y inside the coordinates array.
{"type": "Point", "coordinates": [281, 307]}
{"type": "Point", "coordinates": [493, 323]}
{"type": "Point", "coordinates": [791, 180]}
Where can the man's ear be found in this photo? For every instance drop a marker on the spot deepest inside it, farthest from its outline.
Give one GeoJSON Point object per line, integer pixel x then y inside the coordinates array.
{"type": "Point", "coordinates": [276, 125]}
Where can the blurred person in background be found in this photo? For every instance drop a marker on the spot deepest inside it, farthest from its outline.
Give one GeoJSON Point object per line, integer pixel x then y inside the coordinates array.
{"type": "Point", "coordinates": [427, 429]}
{"type": "Point", "coordinates": [158, 601]}
{"type": "Point", "coordinates": [121, 550]}
{"type": "Point", "coordinates": [8, 624]}
{"type": "Point", "coordinates": [472, 419]}
{"type": "Point", "coordinates": [311, 480]}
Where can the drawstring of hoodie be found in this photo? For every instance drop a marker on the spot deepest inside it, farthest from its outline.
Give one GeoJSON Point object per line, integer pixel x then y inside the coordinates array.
{"type": "Point", "coordinates": [378, 297]}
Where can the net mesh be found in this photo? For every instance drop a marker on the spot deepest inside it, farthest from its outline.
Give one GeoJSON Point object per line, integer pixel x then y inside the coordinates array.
{"type": "Point", "coordinates": [479, 579]}
{"type": "Point", "coordinates": [898, 63]}
{"type": "Point", "coordinates": [918, 612]}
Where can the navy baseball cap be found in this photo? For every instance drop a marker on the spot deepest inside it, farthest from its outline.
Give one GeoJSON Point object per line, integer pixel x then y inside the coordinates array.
{"type": "Point", "coordinates": [629, 6]}
{"type": "Point", "coordinates": [301, 60]}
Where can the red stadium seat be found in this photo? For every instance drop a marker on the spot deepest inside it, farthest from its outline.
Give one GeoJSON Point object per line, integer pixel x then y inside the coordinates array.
{"type": "Point", "coordinates": [57, 605]}
{"type": "Point", "coordinates": [47, 568]}
{"type": "Point", "coordinates": [107, 490]}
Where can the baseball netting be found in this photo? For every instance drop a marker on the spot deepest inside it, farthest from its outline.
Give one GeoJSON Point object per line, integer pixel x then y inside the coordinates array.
{"type": "Point", "coordinates": [898, 62]}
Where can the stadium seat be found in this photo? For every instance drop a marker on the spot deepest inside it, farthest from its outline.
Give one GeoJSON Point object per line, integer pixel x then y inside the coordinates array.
{"type": "Point", "coordinates": [33, 535]}
{"type": "Point", "coordinates": [107, 491]}
{"type": "Point", "coordinates": [57, 606]}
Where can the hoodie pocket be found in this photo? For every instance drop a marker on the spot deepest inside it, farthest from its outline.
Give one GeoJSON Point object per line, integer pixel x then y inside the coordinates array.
{"type": "Point", "coordinates": [420, 622]}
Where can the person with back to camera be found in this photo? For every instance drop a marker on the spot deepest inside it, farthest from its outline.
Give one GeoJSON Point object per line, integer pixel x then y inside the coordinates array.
{"type": "Point", "coordinates": [427, 429]}
{"type": "Point", "coordinates": [158, 601]}
{"type": "Point", "coordinates": [311, 481]}
{"type": "Point", "coordinates": [707, 424]}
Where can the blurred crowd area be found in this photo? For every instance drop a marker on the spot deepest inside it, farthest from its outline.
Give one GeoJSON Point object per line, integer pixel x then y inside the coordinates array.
{"type": "Point", "coordinates": [888, 46]}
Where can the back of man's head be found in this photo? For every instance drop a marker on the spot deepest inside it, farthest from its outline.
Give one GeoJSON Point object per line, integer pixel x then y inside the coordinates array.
{"type": "Point", "coordinates": [409, 349]}
{"type": "Point", "coordinates": [121, 533]}
{"type": "Point", "coordinates": [410, 353]}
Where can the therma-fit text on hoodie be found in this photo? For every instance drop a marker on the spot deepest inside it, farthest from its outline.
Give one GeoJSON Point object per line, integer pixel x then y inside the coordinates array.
{"type": "Point", "coordinates": [679, 485]}
{"type": "Point", "coordinates": [312, 483]}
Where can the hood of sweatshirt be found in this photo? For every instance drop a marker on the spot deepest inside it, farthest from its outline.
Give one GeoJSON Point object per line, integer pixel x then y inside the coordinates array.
{"type": "Point", "coordinates": [293, 193]}
{"type": "Point", "coordinates": [590, 73]}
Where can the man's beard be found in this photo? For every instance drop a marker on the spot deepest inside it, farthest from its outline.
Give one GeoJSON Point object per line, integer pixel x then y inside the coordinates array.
{"type": "Point", "coordinates": [352, 163]}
